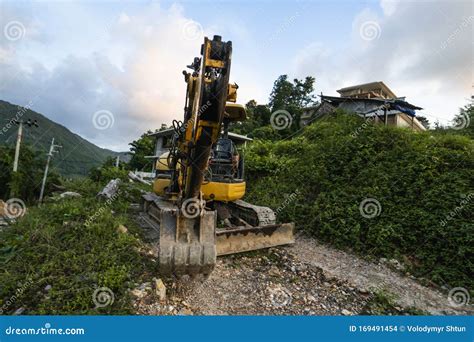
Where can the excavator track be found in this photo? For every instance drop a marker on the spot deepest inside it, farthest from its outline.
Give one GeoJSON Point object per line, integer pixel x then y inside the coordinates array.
{"type": "Point", "coordinates": [252, 227]}
{"type": "Point", "coordinates": [254, 215]}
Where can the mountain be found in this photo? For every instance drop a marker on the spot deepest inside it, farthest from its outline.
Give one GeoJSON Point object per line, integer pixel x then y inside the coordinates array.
{"type": "Point", "coordinates": [77, 155]}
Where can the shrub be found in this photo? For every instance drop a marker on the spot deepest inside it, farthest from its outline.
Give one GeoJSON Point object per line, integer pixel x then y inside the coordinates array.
{"type": "Point", "coordinates": [423, 182]}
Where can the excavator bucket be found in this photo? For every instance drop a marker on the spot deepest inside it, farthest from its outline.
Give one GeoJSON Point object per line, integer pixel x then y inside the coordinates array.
{"type": "Point", "coordinates": [244, 239]}
{"type": "Point", "coordinates": [186, 245]}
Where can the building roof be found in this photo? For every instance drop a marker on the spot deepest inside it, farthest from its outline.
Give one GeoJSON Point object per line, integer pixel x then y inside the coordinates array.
{"type": "Point", "coordinates": [369, 86]}
{"type": "Point", "coordinates": [169, 131]}
{"type": "Point", "coordinates": [390, 103]}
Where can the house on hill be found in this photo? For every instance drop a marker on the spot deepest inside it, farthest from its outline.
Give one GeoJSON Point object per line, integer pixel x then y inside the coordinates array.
{"type": "Point", "coordinates": [370, 100]}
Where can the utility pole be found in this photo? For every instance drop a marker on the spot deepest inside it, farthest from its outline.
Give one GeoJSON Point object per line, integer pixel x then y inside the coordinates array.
{"type": "Point", "coordinates": [18, 139]}
{"type": "Point", "coordinates": [117, 161]}
{"type": "Point", "coordinates": [17, 148]}
{"type": "Point", "coordinates": [50, 155]}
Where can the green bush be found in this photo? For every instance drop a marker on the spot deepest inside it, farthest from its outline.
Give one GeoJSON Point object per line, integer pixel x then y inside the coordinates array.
{"type": "Point", "coordinates": [319, 179]}
{"type": "Point", "coordinates": [73, 246]}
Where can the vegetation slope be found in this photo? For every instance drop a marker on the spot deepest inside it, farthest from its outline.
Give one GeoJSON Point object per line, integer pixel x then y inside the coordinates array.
{"type": "Point", "coordinates": [417, 188]}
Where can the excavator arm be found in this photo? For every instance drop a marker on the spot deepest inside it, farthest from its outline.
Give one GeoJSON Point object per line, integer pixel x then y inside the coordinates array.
{"type": "Point", "coordinates": [207, 97]}
{"type": "Point", "coordinates": [187, 230]}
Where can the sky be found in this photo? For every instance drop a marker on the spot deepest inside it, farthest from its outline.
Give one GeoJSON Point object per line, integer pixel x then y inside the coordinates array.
{"type": "Point", "coordinates": [111, 70]}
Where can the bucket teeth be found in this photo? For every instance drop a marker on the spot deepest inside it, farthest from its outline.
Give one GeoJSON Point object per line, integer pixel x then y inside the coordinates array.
{"type": "Point", "coordinates": [244, 239]}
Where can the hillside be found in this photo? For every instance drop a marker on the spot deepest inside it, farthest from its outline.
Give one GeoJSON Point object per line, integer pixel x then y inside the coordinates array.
{"type": "Point", "coordinates": [382, 192]}
{"type": "Point", "coordinates": [76, 156]}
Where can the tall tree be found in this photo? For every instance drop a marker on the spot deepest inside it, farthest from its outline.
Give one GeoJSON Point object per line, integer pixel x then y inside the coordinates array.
{"type": "Point", "coordinates": [286, 94]}
{"type": "Point", "coordinates": [464, 121]}
{"type": "Point", "coordinates": [140, 148]}
{"type": "Point", "coordinates": [292, 97]}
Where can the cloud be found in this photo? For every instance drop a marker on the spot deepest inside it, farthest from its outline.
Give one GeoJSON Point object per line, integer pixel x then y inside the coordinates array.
{"type": "Point", "coordinates": [135, 74]}
{"type": "Point", "coordinates": [422, 50]}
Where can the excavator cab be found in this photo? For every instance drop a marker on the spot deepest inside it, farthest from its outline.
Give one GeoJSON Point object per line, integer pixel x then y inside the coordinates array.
{"type": "Point", "coordinates": [225, 164]}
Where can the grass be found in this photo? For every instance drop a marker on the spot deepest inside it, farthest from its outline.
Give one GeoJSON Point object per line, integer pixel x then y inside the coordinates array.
{"type": "Point", "coordinates": [51, 262]}
{"type": "Point", "coordinates": [383, 303]}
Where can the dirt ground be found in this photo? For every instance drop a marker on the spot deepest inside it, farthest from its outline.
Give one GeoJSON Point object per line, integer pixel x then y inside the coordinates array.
{"type": "Point", "coordinates": [306, 278]}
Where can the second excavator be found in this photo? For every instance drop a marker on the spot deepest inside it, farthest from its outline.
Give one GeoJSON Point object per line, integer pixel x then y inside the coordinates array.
{"type": "Point", "coordinates": [196, 204]}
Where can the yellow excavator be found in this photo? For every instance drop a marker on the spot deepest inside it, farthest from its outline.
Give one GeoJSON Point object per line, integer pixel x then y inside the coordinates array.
{"type": "Point", "coordinates": [196, 204]}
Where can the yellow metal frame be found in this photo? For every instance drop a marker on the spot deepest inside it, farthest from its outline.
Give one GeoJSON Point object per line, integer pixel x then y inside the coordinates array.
{"type": "Point", "coordinates": [223, 192]}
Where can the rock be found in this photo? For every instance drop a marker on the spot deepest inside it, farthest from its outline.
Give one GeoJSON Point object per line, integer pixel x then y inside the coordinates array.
{"type": "Point", "coordinates": [142, 290]}
{"type": "Point", "coordinates": [274, 271]}
{"type": "Point", "coordinates": [363, 291]}
{"type": "Point", "coordinates": [69, 194]}
{"type": "Point", "coordinates": [110, 190]}
{"type": "Point", "coordinates": [346, 312]}
{"type": "Point", "coordinates": [138, 293]}
{"type": "Point", "coordinates": [301, 268]}
{"type": "Point", "coordinates": [48, 288]}
{"type": "Point", "coordinates": [18, 311]}
{"type": "Point", "coordinates": [122, 229]}
{"type": "Point", "coordinates": [396, 264]}
{"type": "Point", "coordinates": [160, 289]}
{"type": "Point", "coordinates": [145, 286]}
{"type": "Point", "coordinates": [185, 312]}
